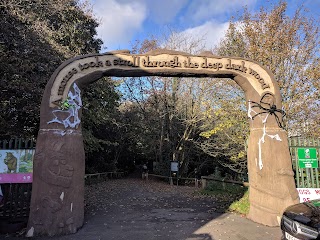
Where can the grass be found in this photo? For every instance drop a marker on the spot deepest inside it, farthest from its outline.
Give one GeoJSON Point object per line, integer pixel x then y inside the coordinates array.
{"type": "Point", "coordinates": [242, 205]}
{"type": "Point", "coordinates": [235, 197]}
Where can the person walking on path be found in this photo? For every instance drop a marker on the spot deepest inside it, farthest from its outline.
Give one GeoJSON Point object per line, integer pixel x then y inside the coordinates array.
{"type": "Point", "coordinates": [145, 171]}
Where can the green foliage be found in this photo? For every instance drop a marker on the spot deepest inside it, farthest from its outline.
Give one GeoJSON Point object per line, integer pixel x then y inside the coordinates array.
{"type": "Point", "coordinates": [225, 127]}
{"type": "Point", "coordinates": [162, 168]}
{"type": "Point", "coordinates": [242, 205]}
{"type": "Point", "coordinates": [237, 196]}
{"type": "Point", "coordinates": [100, 125]}
{"type": "Point", "coordinates": [36, 37]}
{"type": "Point", "coordinates": [224, 188]}
{"type": "Point", "coordinates": [26, 164]}
{"type": "Point", "coordinates": [65, 105]}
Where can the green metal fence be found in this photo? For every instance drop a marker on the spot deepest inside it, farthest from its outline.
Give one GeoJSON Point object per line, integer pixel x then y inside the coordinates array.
{"type": "Point", "coordinates": [17, 143]}
{"type": "Point", "coordinates": [304, 177]}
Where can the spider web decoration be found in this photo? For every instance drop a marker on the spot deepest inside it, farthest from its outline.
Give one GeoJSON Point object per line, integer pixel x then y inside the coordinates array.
{"type": "Point", "coordinates": [266, 107]}
{"type": "Point", "coordinates": [270, 108]}
{"type": "Point", "coordinates": [262, 140]}
{"type": "Point", "coordinates": [72, 106]}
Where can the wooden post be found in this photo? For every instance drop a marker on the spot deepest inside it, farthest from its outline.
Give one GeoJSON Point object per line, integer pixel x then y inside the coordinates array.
{"type": "Point", "coordinates": [204, 183]}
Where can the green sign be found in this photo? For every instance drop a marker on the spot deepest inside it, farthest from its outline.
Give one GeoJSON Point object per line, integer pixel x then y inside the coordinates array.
{"type": "Point", "coordinates": [307, 158]}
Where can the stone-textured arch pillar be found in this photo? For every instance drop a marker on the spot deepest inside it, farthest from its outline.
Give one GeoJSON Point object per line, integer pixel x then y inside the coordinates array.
{"type": "Point", "coordinates": [57, 204]}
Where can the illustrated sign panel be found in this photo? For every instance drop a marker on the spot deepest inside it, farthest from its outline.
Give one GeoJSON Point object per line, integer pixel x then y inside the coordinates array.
{"type": "Point", "coordinates": [307, 158]}
{"type": "Point", "coordinates": [16, 165]}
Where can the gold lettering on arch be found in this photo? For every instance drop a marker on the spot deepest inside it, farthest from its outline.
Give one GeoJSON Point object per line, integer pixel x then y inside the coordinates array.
{"type": "Point", "coordinates": [161, 63]}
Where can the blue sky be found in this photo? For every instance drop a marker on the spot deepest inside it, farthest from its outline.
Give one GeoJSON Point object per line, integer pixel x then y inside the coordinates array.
{"type": "Point", "coordinates": [124, 21]}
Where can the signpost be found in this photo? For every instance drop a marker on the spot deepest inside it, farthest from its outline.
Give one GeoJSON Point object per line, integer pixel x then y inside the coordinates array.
{"type": "Point", "coordinates": [174, 166]}
{"type": "Point", "coordinates": [174, 169]}
{"type": "Point", "coordinates": [307, 158]}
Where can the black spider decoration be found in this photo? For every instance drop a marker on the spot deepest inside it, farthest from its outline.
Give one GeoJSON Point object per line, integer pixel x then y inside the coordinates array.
{"type": "Point", "coordinates": [267, 106]}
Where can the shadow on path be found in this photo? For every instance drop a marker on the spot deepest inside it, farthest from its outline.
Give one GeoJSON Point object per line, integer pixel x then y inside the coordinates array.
{"type": "Point", "coordinates": [135, 209]}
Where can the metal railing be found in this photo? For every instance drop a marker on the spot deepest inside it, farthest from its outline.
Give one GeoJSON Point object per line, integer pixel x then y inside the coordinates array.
{"type": "Point", "coordinates": [304, 177]}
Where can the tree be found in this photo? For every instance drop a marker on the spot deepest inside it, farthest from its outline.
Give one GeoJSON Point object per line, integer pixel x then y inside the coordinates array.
{"type": "Point", "coordinates": [289, 47]}
{"type": "Point", "coordinates": [180, 113]}
{"type": "Point", "coordinates": [173, 108]}
{"type": "Point", "coordinates": [36, 37]}
{"type": "Point", "coordinates": [101, 126]}
{"type": "Point", "coordinates": [225, 127]}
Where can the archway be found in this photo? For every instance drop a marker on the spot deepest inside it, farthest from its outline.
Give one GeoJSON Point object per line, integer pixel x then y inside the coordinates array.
{"type": "Point", "coordinates": [57, 204]}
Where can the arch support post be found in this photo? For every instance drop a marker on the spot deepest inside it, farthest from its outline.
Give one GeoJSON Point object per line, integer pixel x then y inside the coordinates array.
{"type": "Point", "coordinates": [57, 201]}
{"type": "Point", "coordinates": [58, 184]}
{"type": "Point", "coordinates": [272, 186]}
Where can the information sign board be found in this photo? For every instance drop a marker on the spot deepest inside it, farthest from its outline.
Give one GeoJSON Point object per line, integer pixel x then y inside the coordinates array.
{"type": "Point", "coordinates": [307, 158]}
{"type": "Point", "coordinates": [174, 166]}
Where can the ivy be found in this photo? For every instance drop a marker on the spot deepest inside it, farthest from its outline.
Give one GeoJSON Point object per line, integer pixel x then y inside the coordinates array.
{"type": "Point", "coordinates": [65, 105]}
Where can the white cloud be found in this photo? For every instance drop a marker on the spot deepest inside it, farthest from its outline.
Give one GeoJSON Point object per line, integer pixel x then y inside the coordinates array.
{"type": "Point", "coordinates": [119, 21]}
{"type": "Point", "coordinates": [123, 21]}
{"type": "Point", "coordinates": [208, 9]}
{"type": "Point", "coordinates": [211, 31]}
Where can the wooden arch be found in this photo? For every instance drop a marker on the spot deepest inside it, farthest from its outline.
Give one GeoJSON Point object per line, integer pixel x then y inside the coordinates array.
{"type": "Point", "coordinates": [57, 204]}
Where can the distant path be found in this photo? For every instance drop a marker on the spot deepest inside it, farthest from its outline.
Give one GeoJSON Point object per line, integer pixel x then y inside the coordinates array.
{"type": "Point", "coordinates": [133, 209]}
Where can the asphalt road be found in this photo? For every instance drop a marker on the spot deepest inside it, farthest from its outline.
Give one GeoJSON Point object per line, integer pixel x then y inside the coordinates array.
{"type": "Point", "coordinates": [134, 209]}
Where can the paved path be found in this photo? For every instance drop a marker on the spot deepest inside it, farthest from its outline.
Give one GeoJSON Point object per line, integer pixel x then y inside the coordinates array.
{"type": "Point", "coordinates": [133, 209]}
